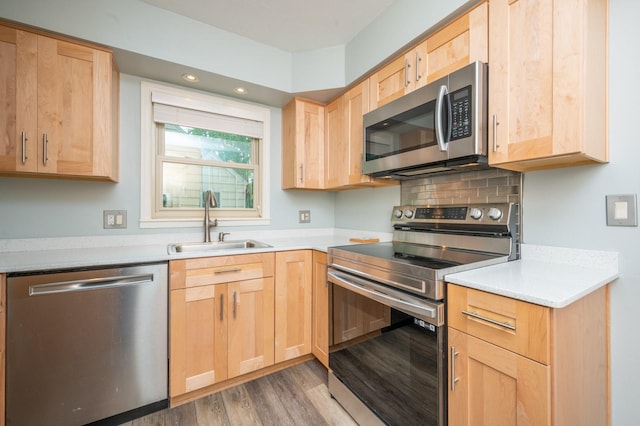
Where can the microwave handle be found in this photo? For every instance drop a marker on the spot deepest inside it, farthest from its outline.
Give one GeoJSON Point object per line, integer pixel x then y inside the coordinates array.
{"type": "Point", "coordinates": [441, 138]}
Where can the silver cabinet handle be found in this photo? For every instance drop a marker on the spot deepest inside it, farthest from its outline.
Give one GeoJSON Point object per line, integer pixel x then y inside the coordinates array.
{"type": "Point", "coordinates": [44, 149]}
{"type": "Point", "coordinates": [221, 307]}
{"type": "Point", "coordinates": [505, 324]}
{"type": "Point", "coordinates": [454, 379]}
{"type": "Point", "coordinates": [441, 138]}
{"type": "Point", "coordinates": [90, 284]}
{"type": "Point", "coordinates": [418, 60]}
{"type": "Point", "coordinates": [234, 304]}
{"type": "Point", "coordinates": [406, 72]}
{"type": "Point", "coordinates": [495, 133]}
{"type": "Point", "coordinates": [226, 271]}
{"type": "Point", "coordinates": [24, 147]}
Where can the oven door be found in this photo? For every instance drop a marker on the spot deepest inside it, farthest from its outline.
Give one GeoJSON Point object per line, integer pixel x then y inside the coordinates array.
{"type": "Point", "coordinates": [393, 375]}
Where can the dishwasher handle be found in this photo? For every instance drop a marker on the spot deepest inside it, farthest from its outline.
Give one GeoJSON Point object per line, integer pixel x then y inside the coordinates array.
{"type": "Point", "coordinates": [89, 284]}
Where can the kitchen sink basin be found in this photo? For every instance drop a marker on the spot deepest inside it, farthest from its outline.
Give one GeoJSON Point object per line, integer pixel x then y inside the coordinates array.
{"type": "Point", "coordinates": [215, 246]}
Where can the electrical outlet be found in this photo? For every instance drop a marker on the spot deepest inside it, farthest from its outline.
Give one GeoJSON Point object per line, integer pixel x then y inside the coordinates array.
{"type": "Point", "coordinates": [114, 219]}
{"type": "Point", "coordinates": [304, 216]}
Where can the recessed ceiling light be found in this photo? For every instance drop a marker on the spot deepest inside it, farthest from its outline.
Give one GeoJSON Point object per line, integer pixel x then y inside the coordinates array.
{"type": "Point", "coordinates": [191, 78]}
{"type": "Point", "coordinates": [241, 90]}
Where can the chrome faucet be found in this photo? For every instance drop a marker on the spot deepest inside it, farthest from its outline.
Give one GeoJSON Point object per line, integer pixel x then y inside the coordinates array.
{"type": "Point", "coordinates": [221, 236]}
{"type": "Point", "coordinates": [209, 201]}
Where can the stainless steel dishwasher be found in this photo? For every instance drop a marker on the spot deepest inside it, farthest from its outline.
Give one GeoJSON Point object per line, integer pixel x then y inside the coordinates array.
{"type": "Point", "coordinates": [86, 345]}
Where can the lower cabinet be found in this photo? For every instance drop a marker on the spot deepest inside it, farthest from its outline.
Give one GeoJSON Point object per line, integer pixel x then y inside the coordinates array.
{"type": "Point", "coordinates": [221, 319]}
{"type": "Point", "coordinates": [517, 363]}
{"type": "Point", "coordinates": [3, 327]}
{"type": "Point", "coordinates": [293, 304]}
{"type": "Point", "coordinates": [320, 309]}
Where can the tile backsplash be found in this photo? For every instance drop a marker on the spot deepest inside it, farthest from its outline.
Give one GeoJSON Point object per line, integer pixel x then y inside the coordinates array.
{"type": "Point", "coordinates": [484, 186]}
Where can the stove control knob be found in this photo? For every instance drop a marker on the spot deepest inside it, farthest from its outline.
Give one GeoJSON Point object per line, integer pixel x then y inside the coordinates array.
{"type": "Point", "coordinates": [475, 213]}
{"type": "Point", "coordinates": [397, 213]}
{"type": "Point", "coordinates": [495, 213]}
{"type": "Point", "coordinates": [408, 213]}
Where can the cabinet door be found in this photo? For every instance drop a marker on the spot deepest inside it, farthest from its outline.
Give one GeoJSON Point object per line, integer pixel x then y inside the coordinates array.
{"type": "Point", "coordinates": [320, 311]}
{"type": "Point", "coordinates": [19, 109]}
{"type": "Point", "coordinates": [250, 325]}
{"type": "Point", "coordinates": [293, 304]}
{"type": "Point", "coordinates": [336, 144]}
{"type": "Point", "coordinates": [460, 43]}
{"type": "Point", "coordinates": [3, 313]}
{"type": "Point", "coordinates": [198, 335]}
{"type": "Point", "coordinates": [303, 145]}
{"type": "Point", "coordinates": [489, 385]}
{"type": "Point", "coordinates": [68, 102]}
{"type": "Point", "coordinates": [400, 76]}
{"type": "Point", "coordinates": [547, 102]}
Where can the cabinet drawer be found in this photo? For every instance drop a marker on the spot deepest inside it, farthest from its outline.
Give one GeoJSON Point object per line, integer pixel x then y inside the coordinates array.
{"type": "Point", "coordinates": [518, 326]}
{"type": "Point", "coordinates": [186, 273]}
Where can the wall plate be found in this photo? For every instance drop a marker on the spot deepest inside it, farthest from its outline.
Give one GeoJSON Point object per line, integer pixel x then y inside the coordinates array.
{"type": "Point", "coordinates": [622, 210]}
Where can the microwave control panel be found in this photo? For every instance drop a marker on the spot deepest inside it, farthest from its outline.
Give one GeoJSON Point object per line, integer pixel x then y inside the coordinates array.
{"type": "Point", "coordinates": [461, 113]}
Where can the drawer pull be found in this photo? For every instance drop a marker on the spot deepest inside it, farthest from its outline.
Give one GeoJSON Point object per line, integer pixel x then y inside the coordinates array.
{"type": "Point", "coordinates": [475, 315]}
{"type": "Point", "coordinates": [454, 379]}
{"type": "Point", "coordinates": [226, 271]}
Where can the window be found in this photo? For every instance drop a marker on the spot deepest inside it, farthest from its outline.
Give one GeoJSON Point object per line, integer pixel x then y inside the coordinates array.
{"type": "Point", "coordinates": [192, 143]}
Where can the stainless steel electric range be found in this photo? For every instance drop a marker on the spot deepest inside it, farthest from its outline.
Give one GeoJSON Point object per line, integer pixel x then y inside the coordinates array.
{"type": "Point", "coordinates": [395, 373]}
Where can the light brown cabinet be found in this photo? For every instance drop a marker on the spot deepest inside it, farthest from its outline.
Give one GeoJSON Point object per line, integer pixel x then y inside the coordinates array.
{"type": "Point", "coordinates": [457, 44]}
{"type": "Point", "coordinates": [402, 75]}
{"type": "Point", "coordinates": [303, 130]}
{"type": "Point", "coordinates": [294, 281]}
{"type": "Point", "coordinates": [60, 115]}
{"type": "Point", "coordinates": [221, 319]}
{"type": "Point", "coordinates": [320, 309]}
{"type": "Point", "coordinates": [548, 98]}
{"type": "Point", "coordinates": [354, 315]}
{"type": "Point", "coordinates": [3, 356]}
{"type": "Point", "coordinates": [344, 142]}
{"type": "Point", "coordinates": [514, 362]}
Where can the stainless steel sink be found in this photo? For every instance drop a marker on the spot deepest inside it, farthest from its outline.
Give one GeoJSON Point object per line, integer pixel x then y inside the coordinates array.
{"type": "Point", "coordinates": [215, 246]}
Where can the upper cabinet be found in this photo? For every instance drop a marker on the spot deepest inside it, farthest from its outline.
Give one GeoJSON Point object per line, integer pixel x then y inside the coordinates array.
{"type": "Point", "coordinates": [402, 75]}
{"type": "Point", "coordinates": [453, 46]}
{"type": "Point", "coordinates": [344, 141]}
{"type": "Point", "coordinates": [303, 145]}
{"type": "Point", "coordinates": [548, 83]}
{"type": "Point", "coordinates": [60, 117]}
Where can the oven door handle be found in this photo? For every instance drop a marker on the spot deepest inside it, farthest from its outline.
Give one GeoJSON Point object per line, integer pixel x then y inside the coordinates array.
{"type": "Point", "coordinates": [363, 287]}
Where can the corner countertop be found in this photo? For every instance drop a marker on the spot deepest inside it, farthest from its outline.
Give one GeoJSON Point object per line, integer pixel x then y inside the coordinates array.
{"type": "Point", "coordinates": [548, 276]}
{"type": "Point", "coordinates": [42, 254]}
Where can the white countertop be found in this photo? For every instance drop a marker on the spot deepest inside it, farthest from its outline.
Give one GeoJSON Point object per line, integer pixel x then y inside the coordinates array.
{"type": "Point", "coordinates": [59, 253]}
{"type": "Point", "coordinates": [548, 276]}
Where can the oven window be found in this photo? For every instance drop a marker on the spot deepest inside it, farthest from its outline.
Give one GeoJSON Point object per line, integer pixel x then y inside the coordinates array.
{"type": "Point", "coordinates": [408, 131]}
{"type": "Point", "coordinates": [395, 372]}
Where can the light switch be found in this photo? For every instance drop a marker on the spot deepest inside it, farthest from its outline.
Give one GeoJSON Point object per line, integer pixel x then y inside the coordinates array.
{"type": "Point", "coordinates": [621, 210]}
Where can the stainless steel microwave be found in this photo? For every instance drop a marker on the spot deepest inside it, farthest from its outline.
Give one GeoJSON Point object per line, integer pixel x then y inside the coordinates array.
{"type": "Point", "coordinates": [441, 127]}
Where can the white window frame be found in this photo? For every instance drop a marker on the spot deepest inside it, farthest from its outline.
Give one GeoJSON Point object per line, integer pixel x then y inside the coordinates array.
{"type": "Point", "coordinates": [205, 102]}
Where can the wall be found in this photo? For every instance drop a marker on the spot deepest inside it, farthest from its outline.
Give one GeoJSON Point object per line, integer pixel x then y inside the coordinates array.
{"type": "Point", "coordinates": [31, 208]}
{"type": "Point", "coordinates": [567, 207]}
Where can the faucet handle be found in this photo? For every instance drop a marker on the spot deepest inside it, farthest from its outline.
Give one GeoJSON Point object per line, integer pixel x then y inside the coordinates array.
{"type": "Point", "coordinates": [221, 235]}
{"type": "Point", "coordinates": [210, 199]}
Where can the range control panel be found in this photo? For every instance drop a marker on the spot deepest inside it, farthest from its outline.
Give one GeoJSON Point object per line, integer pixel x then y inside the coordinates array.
{"type": "Point", "coordinates": [492, 213]}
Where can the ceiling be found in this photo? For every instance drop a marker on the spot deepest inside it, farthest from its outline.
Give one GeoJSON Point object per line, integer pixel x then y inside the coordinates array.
{"type": "Point", "coordinates": [289, 25]}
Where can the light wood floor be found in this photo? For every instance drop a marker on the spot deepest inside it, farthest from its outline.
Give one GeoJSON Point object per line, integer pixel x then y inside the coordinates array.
{"type": "Point", "coordinates": [295, 396]}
